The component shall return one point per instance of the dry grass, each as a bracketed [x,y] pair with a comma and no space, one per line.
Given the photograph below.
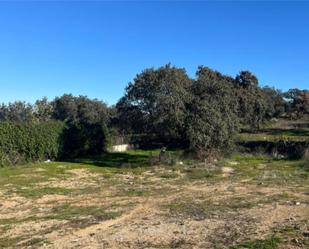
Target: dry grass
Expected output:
[258,203]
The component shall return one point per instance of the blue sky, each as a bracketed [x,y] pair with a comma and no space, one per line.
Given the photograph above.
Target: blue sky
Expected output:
[96,48]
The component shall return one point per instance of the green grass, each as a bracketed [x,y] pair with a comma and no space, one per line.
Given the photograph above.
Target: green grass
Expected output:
[269,171]
[130,159]
[202,208]
[70,212]
[201,173]
[39,192]
[169,175]
[274,134]
[272,243]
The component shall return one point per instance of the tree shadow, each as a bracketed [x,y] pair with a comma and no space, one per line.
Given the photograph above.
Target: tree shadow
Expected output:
[116,160]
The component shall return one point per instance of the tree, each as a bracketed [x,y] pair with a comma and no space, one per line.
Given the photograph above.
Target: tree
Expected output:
[252,105]
[87,122]
[155,103]
[18,111]
[80,110]
[246,79]
[43,109]
[274,102]
[297,102]
[212,120]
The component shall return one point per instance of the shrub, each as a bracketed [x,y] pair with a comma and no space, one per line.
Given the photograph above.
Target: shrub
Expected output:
[85,139]
[28,141]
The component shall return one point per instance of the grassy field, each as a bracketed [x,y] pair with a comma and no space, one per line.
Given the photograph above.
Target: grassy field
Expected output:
[129,200]
[274,134]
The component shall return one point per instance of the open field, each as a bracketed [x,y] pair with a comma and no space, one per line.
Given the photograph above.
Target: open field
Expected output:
[273,134]
[120,201]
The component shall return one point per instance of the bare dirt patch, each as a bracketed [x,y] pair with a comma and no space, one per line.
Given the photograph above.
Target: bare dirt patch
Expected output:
[159,208]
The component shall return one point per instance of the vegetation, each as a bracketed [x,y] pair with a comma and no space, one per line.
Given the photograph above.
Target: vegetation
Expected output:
[24,142]
[212,121]
[122,193]
[155,103]
[163,107]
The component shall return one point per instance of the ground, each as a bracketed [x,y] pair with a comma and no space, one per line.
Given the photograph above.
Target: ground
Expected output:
[129,200]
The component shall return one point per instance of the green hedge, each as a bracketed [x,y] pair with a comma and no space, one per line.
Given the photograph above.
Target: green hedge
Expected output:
[25,142]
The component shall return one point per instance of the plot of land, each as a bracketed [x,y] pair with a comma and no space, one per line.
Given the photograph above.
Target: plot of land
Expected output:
[122,201]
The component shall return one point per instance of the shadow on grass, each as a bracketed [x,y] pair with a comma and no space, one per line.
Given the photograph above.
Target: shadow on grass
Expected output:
[118,160]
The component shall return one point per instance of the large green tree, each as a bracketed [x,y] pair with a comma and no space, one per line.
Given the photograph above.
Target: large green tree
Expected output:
[18,111]
[274,102]
[155,102]
[87,122]
[252,103]
[80,110]
[212,120]
[43,109]
[297,104]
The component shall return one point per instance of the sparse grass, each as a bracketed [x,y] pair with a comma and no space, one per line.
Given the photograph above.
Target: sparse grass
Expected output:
[22,242]
[169,175]
[39,192]
[131,192]
[274,134]
[201,173]
[202,208]
[271,243]
[268,171]
[289,232]
[123,176]
[70,212]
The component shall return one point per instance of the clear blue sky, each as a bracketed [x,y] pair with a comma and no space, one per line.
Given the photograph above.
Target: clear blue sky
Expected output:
[96,48]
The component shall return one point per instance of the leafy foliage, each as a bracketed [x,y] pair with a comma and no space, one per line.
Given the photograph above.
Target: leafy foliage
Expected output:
[155,103]
[212,120]
[80,110]
[161,107]
[85,139]
[87,121]
[17,111]
[252,105]
[24,142]
[297,102]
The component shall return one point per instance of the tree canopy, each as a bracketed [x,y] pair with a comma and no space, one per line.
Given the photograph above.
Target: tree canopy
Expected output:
[202,113]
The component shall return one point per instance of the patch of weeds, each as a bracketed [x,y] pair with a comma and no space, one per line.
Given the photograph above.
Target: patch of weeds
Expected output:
[33,242]
[10,241]
[169,175]
[80,216]
[269,171]
[130,192]
[14,241]
[187,210]
[39,192]
[178,243]
[293,233]
[201,174]
[271,243]
[201,209]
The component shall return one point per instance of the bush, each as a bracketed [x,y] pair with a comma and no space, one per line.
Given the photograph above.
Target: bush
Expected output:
[85,139]
[26,141]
